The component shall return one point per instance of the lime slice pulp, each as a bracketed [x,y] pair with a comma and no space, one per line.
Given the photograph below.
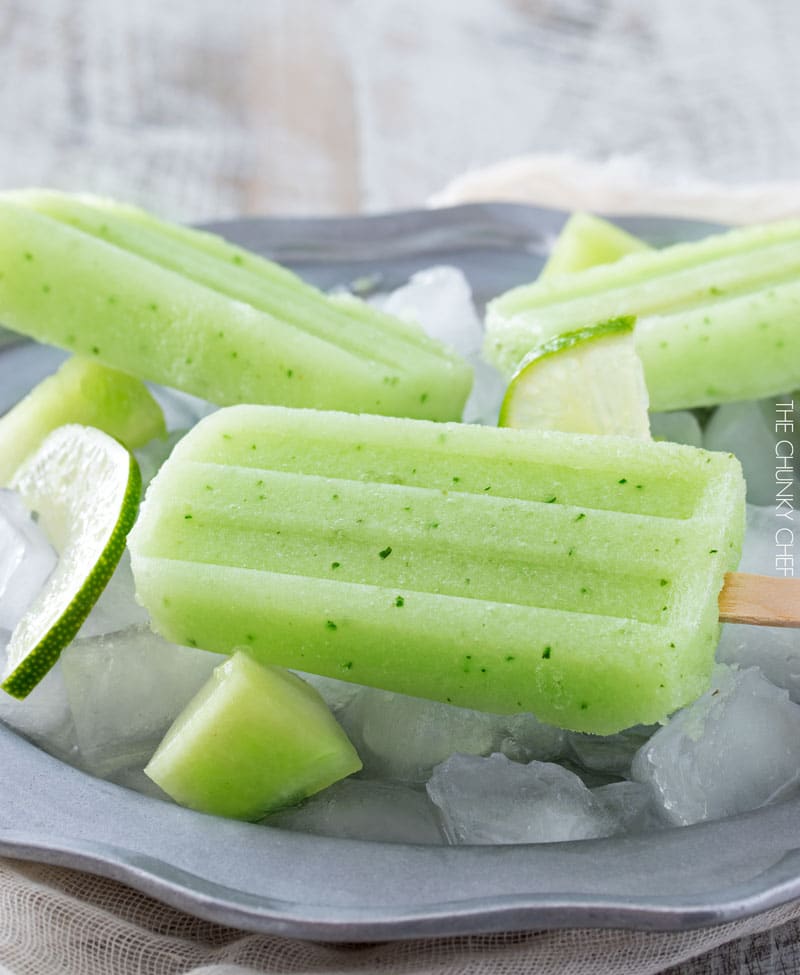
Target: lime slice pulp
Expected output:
[84,488]
[587,381]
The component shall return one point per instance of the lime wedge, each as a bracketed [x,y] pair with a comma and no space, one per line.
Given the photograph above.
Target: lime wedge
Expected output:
[587,381]
[84,487]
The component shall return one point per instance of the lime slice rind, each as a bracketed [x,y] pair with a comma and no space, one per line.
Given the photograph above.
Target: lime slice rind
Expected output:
[85,488]
[589,380]
[568,340]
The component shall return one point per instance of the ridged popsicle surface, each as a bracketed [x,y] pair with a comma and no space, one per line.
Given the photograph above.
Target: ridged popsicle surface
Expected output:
[506,570]
[716,319]
[189,310]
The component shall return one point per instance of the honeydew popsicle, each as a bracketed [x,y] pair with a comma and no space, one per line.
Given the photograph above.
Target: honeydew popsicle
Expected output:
[716,319]
[189,310]
[506,570]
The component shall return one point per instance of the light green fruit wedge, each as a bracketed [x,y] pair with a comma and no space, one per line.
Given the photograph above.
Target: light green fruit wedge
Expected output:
[587,241]
[84,487]
[86,392]
[254,739]
[587,381]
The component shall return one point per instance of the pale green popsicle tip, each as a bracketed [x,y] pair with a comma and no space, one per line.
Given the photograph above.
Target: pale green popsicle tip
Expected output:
[254,739]
[588,241]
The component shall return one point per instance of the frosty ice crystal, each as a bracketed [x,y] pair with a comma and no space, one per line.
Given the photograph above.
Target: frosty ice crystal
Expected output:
[44,716]
[610,753]
[360,809]
[403,738]
[125,689]
[116,609]
[729,752]
[748,429]
[495,800]
[440,299]
[681,426]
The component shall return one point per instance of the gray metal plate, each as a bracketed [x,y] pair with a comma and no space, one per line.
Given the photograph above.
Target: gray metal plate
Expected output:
[342,890]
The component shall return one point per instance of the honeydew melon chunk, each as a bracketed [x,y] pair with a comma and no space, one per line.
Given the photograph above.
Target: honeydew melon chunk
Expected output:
[587,241]
[587,381]
[184,309]
[254,739]
[572,576]
[84,487]
[86,392]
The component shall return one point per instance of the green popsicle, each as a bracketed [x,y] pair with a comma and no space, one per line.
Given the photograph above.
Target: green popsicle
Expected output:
[188,310]
[505,570]
[715,319]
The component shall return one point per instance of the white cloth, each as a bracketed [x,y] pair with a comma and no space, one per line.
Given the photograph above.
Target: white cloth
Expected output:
[620,185]
[58,920]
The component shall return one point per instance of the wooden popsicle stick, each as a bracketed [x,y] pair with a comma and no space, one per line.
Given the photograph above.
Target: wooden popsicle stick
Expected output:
[759,600]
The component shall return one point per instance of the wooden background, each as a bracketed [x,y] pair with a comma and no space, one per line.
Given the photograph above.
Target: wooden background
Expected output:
[204,108]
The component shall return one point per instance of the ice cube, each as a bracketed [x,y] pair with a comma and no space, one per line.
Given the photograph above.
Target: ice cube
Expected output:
[134,778]
[611,754]
[748,429]
[440,300]
[488,389]
[181,410]
[152,455]
[403,738]
[116,609]
[681,426]
[337,694]
[43,716]
[495,800]
[774,650]
[726,753]
[759,550]
[26,559]
[365,810]
[125,689]
[526,738]
[632,806]
[762,539]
